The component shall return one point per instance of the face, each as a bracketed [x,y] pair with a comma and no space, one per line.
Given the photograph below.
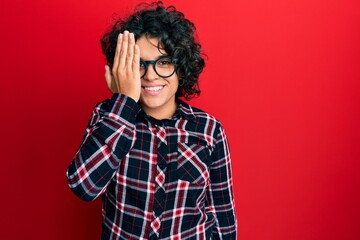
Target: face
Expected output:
[157,96]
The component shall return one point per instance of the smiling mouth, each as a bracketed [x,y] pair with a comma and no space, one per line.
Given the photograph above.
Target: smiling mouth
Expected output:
[153,89]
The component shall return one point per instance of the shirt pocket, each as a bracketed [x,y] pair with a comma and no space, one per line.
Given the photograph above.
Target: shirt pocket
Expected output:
[193,163]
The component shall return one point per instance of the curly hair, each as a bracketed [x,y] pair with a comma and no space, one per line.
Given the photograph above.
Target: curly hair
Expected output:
[176,36]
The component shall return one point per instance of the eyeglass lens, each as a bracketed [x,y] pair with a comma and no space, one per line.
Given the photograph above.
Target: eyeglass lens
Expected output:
[163,67]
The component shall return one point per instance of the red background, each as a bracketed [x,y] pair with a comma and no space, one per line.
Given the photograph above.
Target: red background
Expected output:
[283,77]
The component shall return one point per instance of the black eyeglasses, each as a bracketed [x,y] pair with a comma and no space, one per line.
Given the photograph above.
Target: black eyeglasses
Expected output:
[164,66]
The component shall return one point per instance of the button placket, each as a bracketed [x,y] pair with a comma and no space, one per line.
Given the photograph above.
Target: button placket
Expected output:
[160,178]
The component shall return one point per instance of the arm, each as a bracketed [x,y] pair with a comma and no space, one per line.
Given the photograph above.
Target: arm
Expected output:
[220,198]
[111,132]
[108,138]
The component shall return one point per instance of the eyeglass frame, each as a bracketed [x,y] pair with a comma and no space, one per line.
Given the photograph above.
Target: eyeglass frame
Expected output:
[153,62]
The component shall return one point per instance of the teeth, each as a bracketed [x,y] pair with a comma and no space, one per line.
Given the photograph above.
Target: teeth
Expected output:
[153,88]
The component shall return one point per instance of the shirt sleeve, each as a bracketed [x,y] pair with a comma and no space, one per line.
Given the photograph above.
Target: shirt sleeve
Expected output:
[220,198]
[108,138]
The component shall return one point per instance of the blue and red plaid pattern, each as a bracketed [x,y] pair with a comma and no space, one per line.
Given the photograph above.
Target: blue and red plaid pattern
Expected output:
[158,179]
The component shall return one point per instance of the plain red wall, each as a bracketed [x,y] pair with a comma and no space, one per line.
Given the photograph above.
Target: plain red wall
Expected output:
[283,77]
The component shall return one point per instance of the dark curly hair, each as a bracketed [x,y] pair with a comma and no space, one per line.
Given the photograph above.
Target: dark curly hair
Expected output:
[176,37]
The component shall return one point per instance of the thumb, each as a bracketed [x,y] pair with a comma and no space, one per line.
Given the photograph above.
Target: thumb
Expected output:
[108,76]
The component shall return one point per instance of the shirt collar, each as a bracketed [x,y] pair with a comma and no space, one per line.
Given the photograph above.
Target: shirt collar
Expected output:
[184,110]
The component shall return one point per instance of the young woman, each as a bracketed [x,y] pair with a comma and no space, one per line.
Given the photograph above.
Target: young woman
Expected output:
[162,167]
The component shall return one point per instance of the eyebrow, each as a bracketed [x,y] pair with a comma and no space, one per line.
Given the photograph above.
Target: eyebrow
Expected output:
[165,55]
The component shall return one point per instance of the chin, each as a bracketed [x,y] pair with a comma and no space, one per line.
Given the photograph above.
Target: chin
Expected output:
[152,103]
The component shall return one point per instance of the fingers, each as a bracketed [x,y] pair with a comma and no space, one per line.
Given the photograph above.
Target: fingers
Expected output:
[136,60]
[124,54]
[130,52]
[124,50]
[125,75]
[117,53]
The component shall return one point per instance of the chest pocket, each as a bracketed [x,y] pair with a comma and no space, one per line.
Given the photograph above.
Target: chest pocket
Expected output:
[193,163]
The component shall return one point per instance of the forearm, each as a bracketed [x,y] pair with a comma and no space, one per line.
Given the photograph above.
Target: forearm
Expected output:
[108,138]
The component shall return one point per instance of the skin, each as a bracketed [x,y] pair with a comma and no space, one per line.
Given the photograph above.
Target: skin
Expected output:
[125,75]
[125,78]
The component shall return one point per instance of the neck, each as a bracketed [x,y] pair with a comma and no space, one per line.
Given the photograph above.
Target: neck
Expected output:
[160,114]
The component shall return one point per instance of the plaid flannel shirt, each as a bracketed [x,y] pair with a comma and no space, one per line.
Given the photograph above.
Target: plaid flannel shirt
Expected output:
[158,179]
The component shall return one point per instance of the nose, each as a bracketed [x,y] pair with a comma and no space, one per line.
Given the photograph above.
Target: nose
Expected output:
[150,73]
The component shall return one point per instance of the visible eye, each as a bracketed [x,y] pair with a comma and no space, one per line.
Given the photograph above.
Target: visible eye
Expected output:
[164,62]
